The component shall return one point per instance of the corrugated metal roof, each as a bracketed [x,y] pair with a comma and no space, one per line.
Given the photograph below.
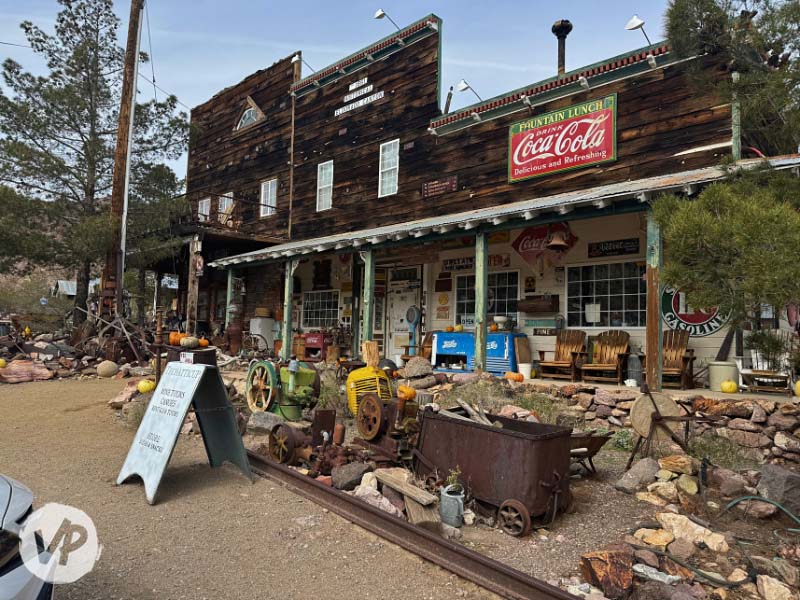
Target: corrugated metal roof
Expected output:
[600,197]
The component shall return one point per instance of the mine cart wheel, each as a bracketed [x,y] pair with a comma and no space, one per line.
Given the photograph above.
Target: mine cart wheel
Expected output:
[262,386]
[369,416]
[642,413]
[514,518]
[281,444]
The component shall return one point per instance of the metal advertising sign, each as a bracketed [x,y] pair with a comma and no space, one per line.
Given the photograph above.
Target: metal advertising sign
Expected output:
[699,323]
[614,248]
[532,242]
[570,138]
[181,386]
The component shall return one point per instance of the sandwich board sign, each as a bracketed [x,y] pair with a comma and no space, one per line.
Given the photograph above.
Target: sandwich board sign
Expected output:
[182,386]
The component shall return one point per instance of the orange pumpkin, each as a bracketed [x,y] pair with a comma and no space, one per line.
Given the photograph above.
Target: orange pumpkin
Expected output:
[450,329]
[174,338]
[493,327]
[203,343]
[512,376]
[406,392]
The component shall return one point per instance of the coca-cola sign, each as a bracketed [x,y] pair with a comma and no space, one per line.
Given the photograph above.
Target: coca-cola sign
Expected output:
[570,138]
[533,242]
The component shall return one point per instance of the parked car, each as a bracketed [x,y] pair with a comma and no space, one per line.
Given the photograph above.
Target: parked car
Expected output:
[16,581]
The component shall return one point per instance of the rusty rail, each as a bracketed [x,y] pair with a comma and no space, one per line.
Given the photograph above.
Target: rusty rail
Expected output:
[477,568]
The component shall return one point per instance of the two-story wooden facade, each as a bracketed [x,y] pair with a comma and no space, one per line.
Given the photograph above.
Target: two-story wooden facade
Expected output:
[532,205]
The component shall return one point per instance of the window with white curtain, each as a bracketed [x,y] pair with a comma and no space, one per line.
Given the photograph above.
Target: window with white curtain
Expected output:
[203,209]
[389,168]
[268,204]
[225,207]
[324,185]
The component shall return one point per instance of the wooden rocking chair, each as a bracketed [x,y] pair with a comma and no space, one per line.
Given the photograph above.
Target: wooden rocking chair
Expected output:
[569,344]
[678,359]
[610,354]
[425,349]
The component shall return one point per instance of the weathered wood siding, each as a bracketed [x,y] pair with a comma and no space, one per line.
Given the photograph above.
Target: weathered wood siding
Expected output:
[223,160]
[409,79]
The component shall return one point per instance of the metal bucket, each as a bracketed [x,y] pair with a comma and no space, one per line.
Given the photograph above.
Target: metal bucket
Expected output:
[451,505]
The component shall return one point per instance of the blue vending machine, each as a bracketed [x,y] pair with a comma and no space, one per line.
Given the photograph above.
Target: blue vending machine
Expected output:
[454,352]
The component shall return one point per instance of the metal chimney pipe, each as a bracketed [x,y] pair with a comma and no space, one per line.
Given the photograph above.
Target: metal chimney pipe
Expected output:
[561,29]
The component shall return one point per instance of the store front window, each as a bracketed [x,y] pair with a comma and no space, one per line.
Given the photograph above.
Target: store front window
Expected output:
[503,292]
[610,295]
[320,309]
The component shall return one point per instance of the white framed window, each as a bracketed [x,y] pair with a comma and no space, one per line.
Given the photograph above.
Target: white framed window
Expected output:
[268,203]
[324,185]
[389,168]
[320,309]
[607,295]
[502,292]
[249,116]
[225,207]
[203,209]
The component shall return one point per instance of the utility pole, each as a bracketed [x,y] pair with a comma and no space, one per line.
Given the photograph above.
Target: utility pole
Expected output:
[115,257]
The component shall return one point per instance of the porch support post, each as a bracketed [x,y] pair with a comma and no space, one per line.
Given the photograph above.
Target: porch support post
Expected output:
[736,120]
[368,295]
[288,291]
[193,285]
[654,332]
[229,298]
[481,293]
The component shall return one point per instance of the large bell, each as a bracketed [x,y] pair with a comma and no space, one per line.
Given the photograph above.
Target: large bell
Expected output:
[558,241]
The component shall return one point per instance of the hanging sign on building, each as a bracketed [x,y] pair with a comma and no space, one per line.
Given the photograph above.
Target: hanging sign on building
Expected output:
[614,248]
[678,315]
[536,242]
[464,263]
[570,138]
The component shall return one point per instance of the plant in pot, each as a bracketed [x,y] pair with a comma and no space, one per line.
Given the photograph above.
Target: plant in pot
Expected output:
[769,347]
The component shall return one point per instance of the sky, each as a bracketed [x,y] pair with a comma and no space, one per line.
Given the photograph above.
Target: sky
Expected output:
[199,47]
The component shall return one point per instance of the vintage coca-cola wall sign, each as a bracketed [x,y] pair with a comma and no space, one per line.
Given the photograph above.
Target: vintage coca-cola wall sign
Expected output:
[573,137]
[532,243]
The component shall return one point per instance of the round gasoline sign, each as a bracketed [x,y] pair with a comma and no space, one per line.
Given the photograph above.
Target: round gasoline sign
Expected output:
[678,315]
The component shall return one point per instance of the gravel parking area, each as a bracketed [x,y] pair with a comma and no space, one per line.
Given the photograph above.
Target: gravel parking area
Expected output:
[212,533]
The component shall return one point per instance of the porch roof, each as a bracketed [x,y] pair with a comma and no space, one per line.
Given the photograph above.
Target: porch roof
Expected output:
[524,211]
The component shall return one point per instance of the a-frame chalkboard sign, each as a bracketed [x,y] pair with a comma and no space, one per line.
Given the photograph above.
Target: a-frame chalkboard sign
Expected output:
[182,386]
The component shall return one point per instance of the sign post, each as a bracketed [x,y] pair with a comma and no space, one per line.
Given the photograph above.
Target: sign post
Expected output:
[182,386]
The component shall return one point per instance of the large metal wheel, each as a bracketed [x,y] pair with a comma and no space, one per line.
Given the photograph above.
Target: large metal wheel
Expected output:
[263,387]
[514,518]
[369,417]
[642,413]
[281,445]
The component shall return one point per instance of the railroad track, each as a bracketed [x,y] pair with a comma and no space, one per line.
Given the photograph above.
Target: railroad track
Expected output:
[477,568]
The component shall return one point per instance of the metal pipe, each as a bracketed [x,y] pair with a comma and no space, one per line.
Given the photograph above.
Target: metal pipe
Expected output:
[561,29]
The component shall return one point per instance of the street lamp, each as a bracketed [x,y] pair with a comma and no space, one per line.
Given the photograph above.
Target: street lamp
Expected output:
[297,58]
[380,14]
[463,86]
[637,23]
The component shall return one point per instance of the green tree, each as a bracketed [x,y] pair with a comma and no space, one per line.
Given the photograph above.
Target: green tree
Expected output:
[58,134]
[758,39]
[735,245]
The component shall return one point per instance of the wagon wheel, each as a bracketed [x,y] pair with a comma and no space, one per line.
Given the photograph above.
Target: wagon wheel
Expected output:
[281,445]
[514,518]
[369,416]
[642,413]
[262,386]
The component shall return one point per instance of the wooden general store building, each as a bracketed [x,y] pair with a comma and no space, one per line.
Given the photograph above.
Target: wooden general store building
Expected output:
[343,198]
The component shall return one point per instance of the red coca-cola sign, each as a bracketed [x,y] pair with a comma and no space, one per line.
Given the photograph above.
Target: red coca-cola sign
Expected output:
[534,242]
[570,138]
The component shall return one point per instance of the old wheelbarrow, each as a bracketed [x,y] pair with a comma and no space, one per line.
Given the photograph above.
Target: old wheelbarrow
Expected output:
[585,446]
[519,468]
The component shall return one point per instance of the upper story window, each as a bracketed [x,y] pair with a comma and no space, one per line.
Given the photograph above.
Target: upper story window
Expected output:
[251,115]
[324,185]
[225,207]
[268,204]
[389,168]
[203,209]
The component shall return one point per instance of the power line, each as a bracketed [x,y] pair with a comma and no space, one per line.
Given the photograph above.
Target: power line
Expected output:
[150,48]
[17,45]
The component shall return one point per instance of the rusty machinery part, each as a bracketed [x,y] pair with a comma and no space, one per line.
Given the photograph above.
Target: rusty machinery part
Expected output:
[262,387]
[642,413]
[468,564]
[287,444]
[514,518]
[370,417]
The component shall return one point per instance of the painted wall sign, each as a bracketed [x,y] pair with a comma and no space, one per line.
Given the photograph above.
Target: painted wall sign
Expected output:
[437,187]
[499,260]
[532,242]
[677,315]
[614,248]
[443,313]
[464,263]
[357,89]
[182,386]
[570,138]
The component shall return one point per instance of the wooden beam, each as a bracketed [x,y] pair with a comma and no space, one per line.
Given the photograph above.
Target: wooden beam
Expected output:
[481,297]
[286,329]
[229,298]
[193,285]
[368,294]
[654,331]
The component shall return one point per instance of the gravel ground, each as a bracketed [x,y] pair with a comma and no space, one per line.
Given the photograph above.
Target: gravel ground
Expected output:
[212,533]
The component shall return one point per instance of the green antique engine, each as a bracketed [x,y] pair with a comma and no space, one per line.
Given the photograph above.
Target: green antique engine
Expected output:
[285,389]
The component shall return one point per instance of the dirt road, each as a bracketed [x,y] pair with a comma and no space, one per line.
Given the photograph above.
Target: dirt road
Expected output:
[212,534]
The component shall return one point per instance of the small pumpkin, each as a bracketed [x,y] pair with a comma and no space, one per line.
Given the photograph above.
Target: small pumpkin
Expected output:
[174,338]
[729,387]
[449,329]
[512,376]
[406,392]
[459,328]
[190,342]
[145,386]
[203,342]
[797,388]
[3,363]
[493,327]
